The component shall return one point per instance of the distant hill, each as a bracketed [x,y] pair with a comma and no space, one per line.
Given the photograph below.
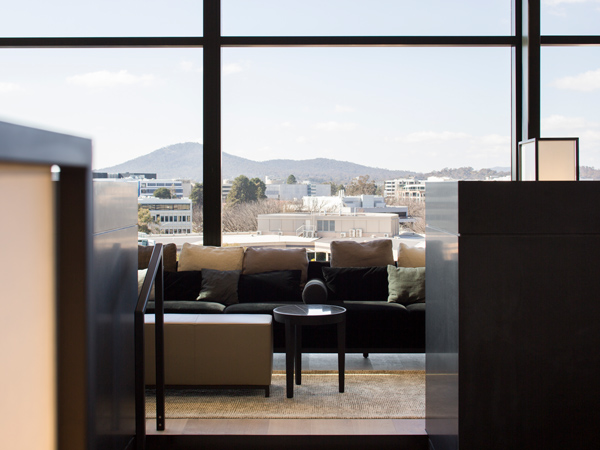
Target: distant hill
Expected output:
[185,161]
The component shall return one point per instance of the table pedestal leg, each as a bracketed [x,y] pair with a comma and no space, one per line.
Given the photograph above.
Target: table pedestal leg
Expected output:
[289,359]
[298,351]
[341,335]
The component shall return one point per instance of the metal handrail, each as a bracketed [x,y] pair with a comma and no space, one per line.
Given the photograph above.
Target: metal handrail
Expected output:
[154,276]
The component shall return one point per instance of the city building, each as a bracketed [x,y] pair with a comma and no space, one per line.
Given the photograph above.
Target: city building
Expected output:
[392,187]
[172,216]
[178,188]
[296,191]
[329,225]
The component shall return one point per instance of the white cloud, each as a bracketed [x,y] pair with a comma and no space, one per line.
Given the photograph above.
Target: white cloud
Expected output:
[286,124]
[558,122]
[344,109]
[425,136]
[231,68]
[104,78]
[559,2]
[6,88]
[189,66]
[335,126]
[585,82]
[301,140]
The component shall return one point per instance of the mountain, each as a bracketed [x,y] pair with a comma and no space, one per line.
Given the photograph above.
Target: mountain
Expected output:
[185,161]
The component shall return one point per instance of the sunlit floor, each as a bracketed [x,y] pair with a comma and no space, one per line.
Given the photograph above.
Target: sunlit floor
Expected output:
[413,430]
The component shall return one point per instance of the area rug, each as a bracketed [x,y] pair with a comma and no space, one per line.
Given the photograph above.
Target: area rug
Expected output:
[368,395]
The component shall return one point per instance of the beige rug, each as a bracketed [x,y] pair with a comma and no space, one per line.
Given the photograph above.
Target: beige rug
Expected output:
[368,395]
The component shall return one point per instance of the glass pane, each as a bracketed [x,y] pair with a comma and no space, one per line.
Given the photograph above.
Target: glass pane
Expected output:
[362,18]
[357,117]
[100,18]
[570,17]
[131,103]
[570,97]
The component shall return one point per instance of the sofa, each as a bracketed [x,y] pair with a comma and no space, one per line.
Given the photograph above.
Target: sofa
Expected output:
[384,298]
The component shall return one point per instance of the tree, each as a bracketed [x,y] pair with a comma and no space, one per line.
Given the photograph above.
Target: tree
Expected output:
[197,195]
[242,191]
[261,188]
[162,193]
[335,188]
[291,180]
[145,222]
[361,186]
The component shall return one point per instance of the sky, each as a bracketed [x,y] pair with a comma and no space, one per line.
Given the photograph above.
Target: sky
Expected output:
[397,108]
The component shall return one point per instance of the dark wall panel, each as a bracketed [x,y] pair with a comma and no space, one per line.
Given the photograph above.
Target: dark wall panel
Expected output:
[512,305]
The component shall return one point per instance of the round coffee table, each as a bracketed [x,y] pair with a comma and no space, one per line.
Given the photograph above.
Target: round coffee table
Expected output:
[294,317]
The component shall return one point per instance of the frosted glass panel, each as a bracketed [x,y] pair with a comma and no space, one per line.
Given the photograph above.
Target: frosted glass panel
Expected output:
[27,296]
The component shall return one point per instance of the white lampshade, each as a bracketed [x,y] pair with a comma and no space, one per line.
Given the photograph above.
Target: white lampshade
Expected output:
[549,159]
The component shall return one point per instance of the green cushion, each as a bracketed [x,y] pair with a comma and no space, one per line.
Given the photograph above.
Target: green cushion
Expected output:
[406,285]
[220,286]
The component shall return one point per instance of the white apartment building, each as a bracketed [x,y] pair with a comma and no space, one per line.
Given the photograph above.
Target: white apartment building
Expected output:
[173,216]
[180,188]
[296,191]
[393,187]
[329,225]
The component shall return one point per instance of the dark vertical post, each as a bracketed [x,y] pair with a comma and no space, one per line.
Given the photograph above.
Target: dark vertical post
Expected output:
[159,344]
[76,332]
[341,336]
[516,87]
[526,87]
[531,69]
[212,122]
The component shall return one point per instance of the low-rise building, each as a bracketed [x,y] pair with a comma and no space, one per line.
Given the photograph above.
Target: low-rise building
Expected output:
[172,216]
[329,225]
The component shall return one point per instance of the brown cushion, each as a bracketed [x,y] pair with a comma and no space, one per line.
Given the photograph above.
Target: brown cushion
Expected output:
[362,254]
[411,256]
[169,257]
[258,260]
[198,257]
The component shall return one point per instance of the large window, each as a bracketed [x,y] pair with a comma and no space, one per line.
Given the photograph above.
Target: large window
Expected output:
[365,18]
[570,98]
[96,18]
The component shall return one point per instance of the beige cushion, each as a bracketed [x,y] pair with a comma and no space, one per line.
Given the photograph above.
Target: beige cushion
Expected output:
[411,256]
[141,278]
[362,254]
[258,260]
[169,257]
[198,257]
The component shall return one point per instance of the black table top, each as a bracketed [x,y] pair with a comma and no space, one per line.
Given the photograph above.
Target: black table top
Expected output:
[309,310]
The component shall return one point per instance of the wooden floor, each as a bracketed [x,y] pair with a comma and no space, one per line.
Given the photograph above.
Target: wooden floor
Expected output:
[299,433]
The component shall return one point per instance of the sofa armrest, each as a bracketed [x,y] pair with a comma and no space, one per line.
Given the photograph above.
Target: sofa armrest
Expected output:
[314,292]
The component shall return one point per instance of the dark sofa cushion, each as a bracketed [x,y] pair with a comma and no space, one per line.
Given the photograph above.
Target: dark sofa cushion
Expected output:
[182,285]
[254,308]
[356,283]
[267,287]
[220,286]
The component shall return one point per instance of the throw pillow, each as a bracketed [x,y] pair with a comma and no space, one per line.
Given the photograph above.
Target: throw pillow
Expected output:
[198,257]
[356,283]
[411,256]
[258,260]
[182,285]
[219,286]
[169,257]
[406,284]
[362,254]
[141,278]
[270,287]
